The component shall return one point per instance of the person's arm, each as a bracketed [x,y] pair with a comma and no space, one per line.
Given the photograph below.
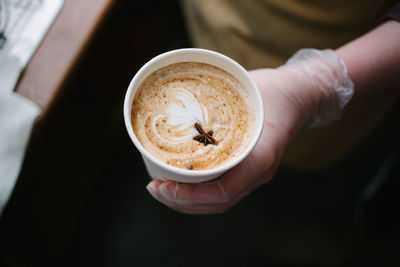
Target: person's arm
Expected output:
[373,60]
[311,89]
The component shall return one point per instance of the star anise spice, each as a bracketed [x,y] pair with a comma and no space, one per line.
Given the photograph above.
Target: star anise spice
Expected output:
[203,137]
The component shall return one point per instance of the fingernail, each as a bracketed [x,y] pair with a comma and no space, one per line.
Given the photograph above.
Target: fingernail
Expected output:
[170,192]
[166,190]
[152,189]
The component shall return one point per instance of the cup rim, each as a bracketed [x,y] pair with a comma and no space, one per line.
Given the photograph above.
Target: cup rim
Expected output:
[129,96]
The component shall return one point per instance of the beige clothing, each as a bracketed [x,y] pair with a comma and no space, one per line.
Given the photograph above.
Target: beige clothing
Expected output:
[265,33]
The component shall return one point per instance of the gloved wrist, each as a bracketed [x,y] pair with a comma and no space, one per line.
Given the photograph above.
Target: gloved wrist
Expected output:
[325,78]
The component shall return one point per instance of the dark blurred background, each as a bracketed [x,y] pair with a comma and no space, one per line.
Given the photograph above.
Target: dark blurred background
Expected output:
[81,199]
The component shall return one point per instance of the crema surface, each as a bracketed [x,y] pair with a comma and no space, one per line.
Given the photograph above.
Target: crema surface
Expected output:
[171,100]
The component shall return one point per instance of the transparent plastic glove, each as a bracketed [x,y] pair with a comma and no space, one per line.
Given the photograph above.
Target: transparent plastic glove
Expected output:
[327,75]
[311,89]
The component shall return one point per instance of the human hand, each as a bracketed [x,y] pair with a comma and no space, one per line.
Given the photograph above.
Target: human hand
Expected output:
[310,89]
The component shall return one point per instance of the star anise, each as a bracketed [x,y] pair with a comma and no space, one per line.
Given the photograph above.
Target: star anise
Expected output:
[203,137]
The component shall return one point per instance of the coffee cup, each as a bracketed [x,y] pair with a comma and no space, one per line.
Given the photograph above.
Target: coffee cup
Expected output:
[159,169]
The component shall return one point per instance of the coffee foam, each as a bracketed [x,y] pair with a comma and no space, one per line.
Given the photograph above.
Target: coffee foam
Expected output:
[171,100]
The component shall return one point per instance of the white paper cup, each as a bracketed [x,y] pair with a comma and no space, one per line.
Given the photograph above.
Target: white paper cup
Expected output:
[160,170]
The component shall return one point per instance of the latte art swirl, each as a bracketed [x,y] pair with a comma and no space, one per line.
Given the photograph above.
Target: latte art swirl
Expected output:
[171,100]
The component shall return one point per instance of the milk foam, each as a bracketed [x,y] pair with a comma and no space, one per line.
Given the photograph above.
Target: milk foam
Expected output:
[186,113]
[171,100]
